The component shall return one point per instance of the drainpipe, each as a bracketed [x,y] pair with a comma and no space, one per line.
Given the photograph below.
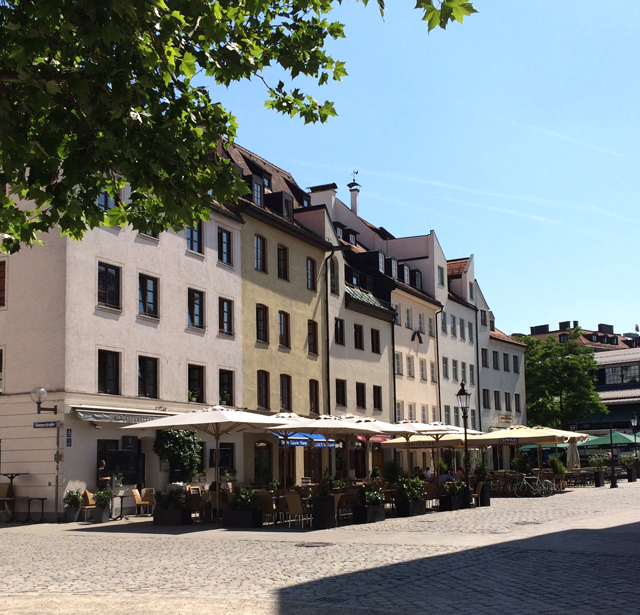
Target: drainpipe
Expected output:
[438,364]
[393,367]
[478,387]
[327,341]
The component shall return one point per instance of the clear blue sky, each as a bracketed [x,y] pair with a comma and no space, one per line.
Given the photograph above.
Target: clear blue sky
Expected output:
[514,136]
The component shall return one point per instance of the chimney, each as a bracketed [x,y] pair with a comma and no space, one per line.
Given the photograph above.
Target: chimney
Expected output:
[354,188]
[575,324]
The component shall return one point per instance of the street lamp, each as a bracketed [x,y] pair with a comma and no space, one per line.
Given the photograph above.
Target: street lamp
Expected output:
[38,395]
[463,397]
[634,427]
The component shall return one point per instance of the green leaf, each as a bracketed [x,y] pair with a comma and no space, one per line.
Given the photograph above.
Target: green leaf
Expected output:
[188,65]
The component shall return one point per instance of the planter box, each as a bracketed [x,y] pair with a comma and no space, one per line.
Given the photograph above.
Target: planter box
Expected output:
[171,516]
[324,513]
[101,515]
[411,509]
[598,478]
[71,514]
[368,514]
[485,496]
[451,502]
[632,475]
[242,518]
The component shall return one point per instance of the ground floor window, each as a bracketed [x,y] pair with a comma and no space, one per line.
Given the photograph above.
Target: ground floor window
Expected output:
[262,473]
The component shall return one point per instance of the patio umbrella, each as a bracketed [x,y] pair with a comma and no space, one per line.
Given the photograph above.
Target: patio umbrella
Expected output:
[285,432]
[573,458]
[620,440]
[215,421]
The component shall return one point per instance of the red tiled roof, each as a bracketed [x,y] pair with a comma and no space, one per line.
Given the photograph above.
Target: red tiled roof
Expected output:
[583,340]
[457,266]
[503,337]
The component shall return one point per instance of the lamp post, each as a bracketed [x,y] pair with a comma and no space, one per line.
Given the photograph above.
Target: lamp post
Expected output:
[614,480]
[463,397]
[634,427]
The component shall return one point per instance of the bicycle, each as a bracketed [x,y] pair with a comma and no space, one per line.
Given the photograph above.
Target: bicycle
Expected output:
[537,487]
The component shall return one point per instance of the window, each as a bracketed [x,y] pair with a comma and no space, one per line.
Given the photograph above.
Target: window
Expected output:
[262,323]
[263,389]
[333,276]
[507,401]
[441,276]
[358,337]
[108,372]
[431,331]
[283,262]
[361,395]
[424,414]
[492,325]
[565,338]
[380,262]
[496,360]
[339,331]
[454,369]
[147,377]
[288,209]
[411,411]
[505,362]
[473,418]
[516,401]
[496,400]
[194,238]
[341,392]
[410,366]
[398,363]
[456,416]
[312,336]
[339,232]
[453,326]
[399,411]
[260,253]
[375,341]
[470,332]
[225,253]
[3,283]
[148,295]
[421,323]
[407,319]
[443,322]
[463,369]
[471,290]
[447,415]
[445,367]
[225,387]
[109,286]
[225,316]
[423,369]
[314,397]
[486,399]
[406,275]
[433,372]
[516,364]
[195,308]
[196,383]
[377,397]
[434,414]
[418,280]
[285,392]
[106,202]
[311,274]
[257,193]
[483,318]
[472,374]
[394,270]
[485,357]
[283,330]
[462,329]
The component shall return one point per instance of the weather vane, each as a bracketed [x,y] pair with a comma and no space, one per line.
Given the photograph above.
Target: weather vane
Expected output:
[354,176]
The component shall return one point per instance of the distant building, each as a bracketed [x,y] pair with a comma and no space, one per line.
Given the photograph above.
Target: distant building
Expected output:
[602,339]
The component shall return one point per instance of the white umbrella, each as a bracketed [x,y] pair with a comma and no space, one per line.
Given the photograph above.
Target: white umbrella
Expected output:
[215,421]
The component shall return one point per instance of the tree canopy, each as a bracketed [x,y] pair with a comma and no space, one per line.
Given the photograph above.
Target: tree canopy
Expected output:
[98,94]
[560,381]
[180,448]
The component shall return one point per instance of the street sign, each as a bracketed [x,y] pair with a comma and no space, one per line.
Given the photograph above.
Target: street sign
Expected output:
[45,424]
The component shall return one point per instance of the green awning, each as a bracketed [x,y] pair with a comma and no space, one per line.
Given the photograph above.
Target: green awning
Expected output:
[619,440]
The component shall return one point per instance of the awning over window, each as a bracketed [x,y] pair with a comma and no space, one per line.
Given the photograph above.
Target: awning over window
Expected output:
[309,440]
[125,416]
[373,438]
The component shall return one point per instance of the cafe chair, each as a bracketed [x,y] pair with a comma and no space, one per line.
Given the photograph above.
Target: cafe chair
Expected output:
[87,503]
[141,504]
[296,512]
[267,507]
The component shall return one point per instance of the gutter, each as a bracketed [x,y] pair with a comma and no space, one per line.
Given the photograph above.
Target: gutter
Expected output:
[438,364]
[478,367]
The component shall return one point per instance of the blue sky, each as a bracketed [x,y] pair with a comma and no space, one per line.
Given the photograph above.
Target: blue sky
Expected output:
[514,136]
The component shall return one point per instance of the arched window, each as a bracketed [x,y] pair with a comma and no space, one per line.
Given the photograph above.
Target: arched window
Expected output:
[262,462]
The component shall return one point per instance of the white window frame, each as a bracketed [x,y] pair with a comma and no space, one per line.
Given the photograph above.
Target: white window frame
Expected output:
[397,363]
[423,369]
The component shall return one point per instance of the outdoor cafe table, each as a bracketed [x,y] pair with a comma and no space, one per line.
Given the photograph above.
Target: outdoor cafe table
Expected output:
[121,497]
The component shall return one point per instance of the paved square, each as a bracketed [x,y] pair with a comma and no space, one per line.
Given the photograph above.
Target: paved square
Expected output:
[571,553]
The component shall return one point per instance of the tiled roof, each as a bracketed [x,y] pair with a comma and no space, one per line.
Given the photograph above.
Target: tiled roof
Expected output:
[585,341]
[364,296]
[417,292]
[457,266]
[621,396]
[503,337]
[617,357]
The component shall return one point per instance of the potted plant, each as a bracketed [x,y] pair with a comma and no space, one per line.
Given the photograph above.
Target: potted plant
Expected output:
[630,463]
[453,495]
[224,398]
[598,462]
[482,476]
[559,471]
[274,485]
[72,501]
[410,497]
[170,508]
[370,507]
[194,395]
[324,503]
[119,477]
[102,501]
[243,511]
[375,473]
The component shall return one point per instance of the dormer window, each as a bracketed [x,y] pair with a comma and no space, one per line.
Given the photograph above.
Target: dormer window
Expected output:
[564,338]
[381,262]
[394,270]
[418,280]
[406,274]
[352,238]
[266,180]
[257,193]
[288,209]
[339,232]
[492,325]
[614,341]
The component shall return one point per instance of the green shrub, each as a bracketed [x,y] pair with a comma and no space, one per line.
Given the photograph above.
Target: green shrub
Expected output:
[391,472]
[181,449]
[455,487]
[369,496]
[274,485]
[630,461]
[520,464]
[172,499]
[480,471]
[244,499]
[72,498]
[102,499]
[598,461]
[375,473]
[557,466]
[410,489]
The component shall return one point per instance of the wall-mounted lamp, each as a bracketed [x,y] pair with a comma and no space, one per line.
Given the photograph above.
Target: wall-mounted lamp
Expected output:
[38,395]
[95,425]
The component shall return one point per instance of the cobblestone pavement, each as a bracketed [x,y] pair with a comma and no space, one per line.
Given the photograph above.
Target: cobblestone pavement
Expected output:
[527,556]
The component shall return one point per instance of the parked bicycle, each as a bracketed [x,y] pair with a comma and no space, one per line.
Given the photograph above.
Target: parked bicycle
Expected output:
[533,484]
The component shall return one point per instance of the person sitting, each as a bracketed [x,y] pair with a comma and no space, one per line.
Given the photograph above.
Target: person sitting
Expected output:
[460,474]
[446,477]
[428,472]
[417,473]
